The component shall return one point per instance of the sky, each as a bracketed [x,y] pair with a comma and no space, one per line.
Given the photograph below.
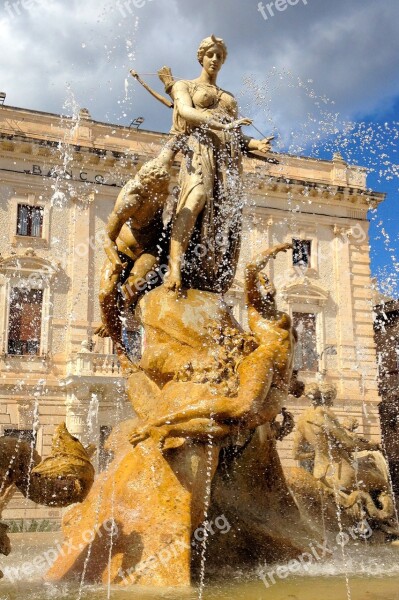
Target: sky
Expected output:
[321,75]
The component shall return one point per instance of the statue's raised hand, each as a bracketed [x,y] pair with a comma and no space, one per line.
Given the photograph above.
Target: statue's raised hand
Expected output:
[280,248]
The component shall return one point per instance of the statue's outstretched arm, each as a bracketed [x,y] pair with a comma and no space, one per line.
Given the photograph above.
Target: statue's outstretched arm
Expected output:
[342,436]
[252,270]
[261,260]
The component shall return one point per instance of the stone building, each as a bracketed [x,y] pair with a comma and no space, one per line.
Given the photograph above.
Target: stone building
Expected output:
[386,326]
[59,178]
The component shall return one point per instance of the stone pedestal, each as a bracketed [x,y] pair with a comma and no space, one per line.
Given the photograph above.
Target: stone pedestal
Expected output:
[135,526]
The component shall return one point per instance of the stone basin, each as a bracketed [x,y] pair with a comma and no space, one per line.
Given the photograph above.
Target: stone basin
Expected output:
[373,574]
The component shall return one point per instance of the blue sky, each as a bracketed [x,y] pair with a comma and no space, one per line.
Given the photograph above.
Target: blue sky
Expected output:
[383,177]
[302,73]
[373,143]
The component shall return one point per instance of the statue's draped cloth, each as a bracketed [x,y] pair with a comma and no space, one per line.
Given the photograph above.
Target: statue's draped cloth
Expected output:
[212,159]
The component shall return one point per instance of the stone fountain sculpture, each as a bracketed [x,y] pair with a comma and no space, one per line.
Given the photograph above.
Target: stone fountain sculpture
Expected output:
[342,470]
[203,446]
[63,478]
[200,457]
[206,393]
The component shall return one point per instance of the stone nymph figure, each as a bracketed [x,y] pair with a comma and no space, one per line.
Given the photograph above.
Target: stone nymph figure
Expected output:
[205,240]
[206,231]
[200,373]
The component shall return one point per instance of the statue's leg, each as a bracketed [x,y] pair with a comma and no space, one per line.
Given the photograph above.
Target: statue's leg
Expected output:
[109,304]
[110,314]
[136,283]
[182,231]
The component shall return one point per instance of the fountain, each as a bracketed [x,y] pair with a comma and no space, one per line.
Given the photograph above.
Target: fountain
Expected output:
[195,484]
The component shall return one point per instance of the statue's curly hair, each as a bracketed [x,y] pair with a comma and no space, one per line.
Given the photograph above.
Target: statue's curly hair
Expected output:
[152,174]
[318,393]
[208,43]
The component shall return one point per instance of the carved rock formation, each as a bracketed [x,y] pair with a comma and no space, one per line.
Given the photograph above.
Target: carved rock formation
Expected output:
[153,495]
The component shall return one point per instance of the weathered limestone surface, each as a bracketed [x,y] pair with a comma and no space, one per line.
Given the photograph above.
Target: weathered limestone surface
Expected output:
[61,479]
[156,491]
[344,472]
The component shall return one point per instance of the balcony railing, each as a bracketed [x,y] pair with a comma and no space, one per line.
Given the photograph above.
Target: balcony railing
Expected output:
[89,364]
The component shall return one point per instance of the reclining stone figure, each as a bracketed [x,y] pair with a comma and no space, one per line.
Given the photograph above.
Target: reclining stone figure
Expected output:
[350,468]
[264,374]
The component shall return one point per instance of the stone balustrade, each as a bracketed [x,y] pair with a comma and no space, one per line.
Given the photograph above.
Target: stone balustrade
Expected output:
[88,364]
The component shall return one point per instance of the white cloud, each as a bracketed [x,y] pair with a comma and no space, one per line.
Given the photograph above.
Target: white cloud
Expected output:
[348,48]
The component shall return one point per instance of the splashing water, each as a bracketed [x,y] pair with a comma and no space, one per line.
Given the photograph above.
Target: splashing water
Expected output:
[92,415]
[35,429]
[338,513]
[207,501]
[322,134]
[371,145]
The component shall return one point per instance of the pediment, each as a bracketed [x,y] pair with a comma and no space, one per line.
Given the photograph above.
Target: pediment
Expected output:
[305,292]
[28,263]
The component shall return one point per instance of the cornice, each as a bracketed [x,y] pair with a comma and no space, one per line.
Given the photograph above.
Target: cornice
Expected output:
[120,151]
[303,190]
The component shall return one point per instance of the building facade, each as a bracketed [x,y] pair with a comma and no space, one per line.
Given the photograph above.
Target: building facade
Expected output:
[59,178]
[386,326]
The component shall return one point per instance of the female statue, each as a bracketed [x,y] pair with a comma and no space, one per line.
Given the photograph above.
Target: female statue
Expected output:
[206,234]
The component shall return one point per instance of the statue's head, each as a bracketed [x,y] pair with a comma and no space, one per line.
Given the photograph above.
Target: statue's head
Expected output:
[209,47]
[154,177]
[312,391]
[322,394]
[328,393]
